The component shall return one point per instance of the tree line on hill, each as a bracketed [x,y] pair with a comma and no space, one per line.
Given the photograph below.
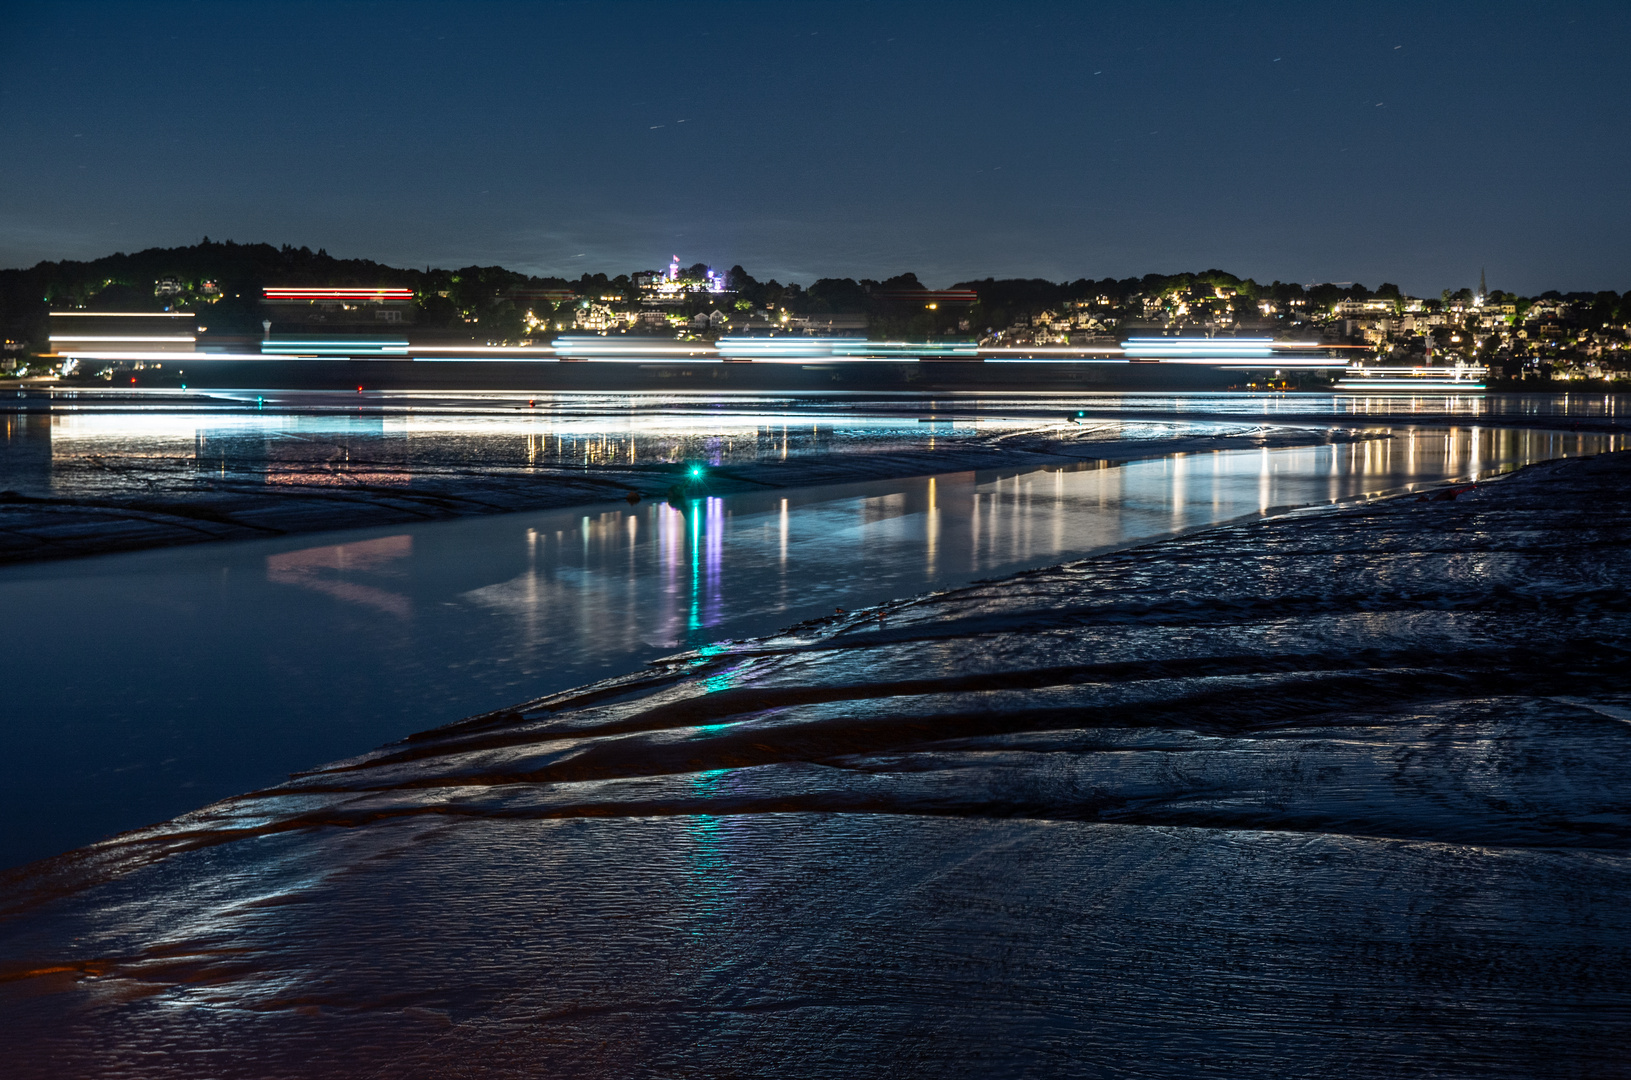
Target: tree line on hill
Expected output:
[491,301]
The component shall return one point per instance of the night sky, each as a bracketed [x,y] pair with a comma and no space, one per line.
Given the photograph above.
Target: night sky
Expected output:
[1414,143]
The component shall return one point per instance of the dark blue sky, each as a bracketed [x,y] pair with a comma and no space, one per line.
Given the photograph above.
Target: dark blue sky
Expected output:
[1414,143]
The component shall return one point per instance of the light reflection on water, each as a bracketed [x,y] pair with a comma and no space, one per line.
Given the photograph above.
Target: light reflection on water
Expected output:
[85,443]
[148,684]
[463,406]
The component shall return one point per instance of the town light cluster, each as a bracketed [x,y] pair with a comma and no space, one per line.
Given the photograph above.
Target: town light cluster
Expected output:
[697,315]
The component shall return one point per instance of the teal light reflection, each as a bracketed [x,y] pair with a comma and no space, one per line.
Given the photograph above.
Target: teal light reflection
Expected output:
[709,868]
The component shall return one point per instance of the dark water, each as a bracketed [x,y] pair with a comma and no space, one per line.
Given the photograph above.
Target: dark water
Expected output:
[145,685]
[1330,794]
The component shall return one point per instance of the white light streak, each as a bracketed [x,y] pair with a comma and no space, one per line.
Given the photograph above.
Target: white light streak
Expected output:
[184,339]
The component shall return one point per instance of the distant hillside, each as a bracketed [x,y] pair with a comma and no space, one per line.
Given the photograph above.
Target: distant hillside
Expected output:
[490,302]
[238,272]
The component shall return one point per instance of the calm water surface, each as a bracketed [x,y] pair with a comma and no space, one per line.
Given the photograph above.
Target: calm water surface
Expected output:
[144,685]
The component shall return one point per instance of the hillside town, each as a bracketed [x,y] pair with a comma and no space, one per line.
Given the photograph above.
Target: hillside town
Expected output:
[237,294]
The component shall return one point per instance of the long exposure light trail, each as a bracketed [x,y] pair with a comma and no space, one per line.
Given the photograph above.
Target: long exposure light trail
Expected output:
[334,347]
[600,348]
[1161,348]
[496,350]
[1228,353]
[115,355]
[1050,350]
[303,293]
[185,339]
[1409,384]
[904,350]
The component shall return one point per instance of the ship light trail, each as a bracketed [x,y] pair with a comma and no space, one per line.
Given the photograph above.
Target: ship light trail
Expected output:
[905,350]
[495,350]
[138,337]
[1409,384]
[1208,348]
[774,349]
[173,357]
[601,348]
[1237,353]
[334,347]
[301,293]
[169,338]
[795,349]
[1052,354]
[1466,377]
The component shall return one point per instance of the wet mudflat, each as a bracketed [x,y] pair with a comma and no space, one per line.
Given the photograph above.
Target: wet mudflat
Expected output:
[1337,793]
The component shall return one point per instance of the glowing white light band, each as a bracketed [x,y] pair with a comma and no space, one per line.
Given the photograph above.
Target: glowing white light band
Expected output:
[1408,384]
[182,339]
[504,350]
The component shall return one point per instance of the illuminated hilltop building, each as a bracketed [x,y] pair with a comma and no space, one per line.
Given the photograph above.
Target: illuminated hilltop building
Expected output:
[675,284]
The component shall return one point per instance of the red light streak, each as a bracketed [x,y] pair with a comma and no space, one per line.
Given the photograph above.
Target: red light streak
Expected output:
[337,294]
